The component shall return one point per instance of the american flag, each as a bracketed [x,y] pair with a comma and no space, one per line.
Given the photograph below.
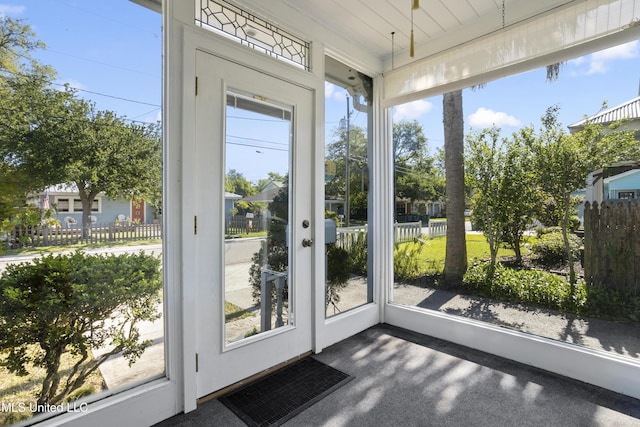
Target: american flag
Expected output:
[45,202]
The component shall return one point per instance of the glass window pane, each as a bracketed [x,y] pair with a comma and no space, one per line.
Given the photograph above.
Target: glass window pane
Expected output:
[515,204]
[348,138]
[90,325]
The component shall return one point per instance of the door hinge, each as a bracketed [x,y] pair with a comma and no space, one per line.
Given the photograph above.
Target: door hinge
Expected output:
[196,362]
[196,85]
[195,224]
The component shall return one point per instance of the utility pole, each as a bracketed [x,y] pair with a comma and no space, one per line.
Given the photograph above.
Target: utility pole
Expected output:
[347,166]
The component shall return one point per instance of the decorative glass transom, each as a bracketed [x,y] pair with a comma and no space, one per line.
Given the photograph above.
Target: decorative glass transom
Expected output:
[228,20]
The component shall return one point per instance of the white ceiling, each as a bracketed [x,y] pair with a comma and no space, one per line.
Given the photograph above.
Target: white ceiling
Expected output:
[367,24]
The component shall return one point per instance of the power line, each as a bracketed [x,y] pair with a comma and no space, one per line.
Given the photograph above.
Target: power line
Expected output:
[257,146]
[51,82]
[108,96]
[15,110]
[258,140]
[103,63]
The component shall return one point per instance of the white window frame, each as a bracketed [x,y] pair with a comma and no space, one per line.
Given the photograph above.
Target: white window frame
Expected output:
[95,208]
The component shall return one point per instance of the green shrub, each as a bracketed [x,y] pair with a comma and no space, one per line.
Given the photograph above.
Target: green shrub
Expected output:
[73,303]
[338,273]
[613,304]
[541,231]
[574,223]
[534,287]
[550,250]
[359,253]
[407,260]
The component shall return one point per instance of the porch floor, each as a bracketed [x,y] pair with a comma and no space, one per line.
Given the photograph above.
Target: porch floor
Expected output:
[404,378]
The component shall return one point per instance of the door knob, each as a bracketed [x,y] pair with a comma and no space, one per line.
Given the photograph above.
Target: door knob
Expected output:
[307,243]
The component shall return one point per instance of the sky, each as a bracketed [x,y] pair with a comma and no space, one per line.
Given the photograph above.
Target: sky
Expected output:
[611,76]
[111,52]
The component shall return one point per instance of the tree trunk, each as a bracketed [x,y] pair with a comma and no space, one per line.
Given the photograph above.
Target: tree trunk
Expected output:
[455,264]
[87,203]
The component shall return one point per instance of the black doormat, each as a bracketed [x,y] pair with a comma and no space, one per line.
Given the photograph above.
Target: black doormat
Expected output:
[278,397]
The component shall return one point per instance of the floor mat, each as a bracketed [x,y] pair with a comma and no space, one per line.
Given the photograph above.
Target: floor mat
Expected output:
[278,397]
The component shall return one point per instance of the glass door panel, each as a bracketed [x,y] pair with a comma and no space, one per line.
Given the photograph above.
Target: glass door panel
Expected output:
[257,158]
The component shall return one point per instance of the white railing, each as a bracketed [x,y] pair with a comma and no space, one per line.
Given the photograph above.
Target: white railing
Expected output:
[437,229]
[402,232]
[406,231]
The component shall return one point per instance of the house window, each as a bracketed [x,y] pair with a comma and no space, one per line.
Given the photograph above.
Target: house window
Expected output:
[63,205]
[626,195]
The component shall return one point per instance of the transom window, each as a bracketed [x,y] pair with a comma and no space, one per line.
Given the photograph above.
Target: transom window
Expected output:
[249,30]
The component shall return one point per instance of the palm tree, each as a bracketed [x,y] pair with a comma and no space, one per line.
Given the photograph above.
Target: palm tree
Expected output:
[455,263]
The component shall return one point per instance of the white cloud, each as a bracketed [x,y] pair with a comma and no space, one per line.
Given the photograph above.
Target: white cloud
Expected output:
[6,9]
[486,118]
[332,91]
[411,110]
[599,62]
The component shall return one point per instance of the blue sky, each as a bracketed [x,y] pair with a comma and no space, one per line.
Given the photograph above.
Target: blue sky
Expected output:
[111,50]
[109,47]
[612,75]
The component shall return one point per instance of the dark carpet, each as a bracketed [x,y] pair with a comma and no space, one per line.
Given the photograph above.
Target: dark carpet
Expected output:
[281,395]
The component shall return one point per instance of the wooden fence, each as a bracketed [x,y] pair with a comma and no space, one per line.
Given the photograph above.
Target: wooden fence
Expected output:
[61,236]
[240,225]
[612,245]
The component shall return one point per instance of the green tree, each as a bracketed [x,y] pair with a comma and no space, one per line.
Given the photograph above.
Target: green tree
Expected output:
[236,183]
[504,192]
[72,304]
[65,140]
[563,161]
[485,173]
[416,177]
[20,77]
[358,160]
[519,193]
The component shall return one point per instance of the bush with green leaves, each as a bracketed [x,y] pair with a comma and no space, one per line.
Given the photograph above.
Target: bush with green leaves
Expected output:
[550,249]
[72,304]
[359,253]
[533,287]
[603,301]
[407,259]
[573,222]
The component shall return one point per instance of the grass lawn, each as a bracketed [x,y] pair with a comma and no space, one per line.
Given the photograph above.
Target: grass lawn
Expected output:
[233,312]
[433,251]
[22,390]
[79,246]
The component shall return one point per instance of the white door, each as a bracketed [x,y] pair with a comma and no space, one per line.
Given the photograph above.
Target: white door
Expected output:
[253,249]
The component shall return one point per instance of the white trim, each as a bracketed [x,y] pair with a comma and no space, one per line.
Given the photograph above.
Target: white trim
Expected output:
[469,64]
[178,344]
[97,201]
[144,405]
[609,371]
[621,175]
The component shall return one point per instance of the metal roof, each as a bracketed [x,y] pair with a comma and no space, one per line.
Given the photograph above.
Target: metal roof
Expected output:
[629,110]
